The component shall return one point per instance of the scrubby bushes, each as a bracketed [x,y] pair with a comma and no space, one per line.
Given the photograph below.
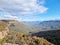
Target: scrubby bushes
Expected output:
[31,40]
[3,40]
[25,39]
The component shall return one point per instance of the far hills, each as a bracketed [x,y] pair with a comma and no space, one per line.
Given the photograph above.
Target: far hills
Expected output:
[44,25]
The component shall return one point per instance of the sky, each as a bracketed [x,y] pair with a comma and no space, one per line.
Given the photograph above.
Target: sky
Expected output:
[30,10]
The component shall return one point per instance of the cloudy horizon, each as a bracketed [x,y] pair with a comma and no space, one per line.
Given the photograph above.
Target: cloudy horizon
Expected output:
[29,10]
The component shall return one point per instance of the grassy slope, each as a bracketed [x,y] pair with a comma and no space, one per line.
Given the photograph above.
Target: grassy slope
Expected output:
[2,26]
[16,26]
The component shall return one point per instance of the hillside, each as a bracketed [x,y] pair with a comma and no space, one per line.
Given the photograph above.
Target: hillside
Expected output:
[16,26]
[50,30]
[52,36]
[26,39]
[9,35]
[2,26]
[4,30]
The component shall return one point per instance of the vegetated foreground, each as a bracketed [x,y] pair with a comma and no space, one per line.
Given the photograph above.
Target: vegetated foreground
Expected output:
[8,38]
[22,39]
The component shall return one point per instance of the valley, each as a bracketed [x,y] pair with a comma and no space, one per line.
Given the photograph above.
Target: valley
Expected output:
[18,33]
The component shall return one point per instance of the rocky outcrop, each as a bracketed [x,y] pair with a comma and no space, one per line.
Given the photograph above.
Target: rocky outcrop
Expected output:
[9,44]
[4,33]
[4,30]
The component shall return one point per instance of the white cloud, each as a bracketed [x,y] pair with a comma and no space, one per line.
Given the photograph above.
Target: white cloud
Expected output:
[22,7]
[6,15]
[10,16]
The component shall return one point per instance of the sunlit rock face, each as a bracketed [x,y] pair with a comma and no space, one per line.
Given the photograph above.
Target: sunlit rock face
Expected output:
[3,30]
[4,33]
[9,44]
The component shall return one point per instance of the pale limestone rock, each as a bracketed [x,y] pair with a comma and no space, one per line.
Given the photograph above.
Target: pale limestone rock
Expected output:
[4,33]
[9,44]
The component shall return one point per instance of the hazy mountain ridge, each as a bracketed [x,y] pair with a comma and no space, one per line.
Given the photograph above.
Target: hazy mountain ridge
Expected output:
[44,25]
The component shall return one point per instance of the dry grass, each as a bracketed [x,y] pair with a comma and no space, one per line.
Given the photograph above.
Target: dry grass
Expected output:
[2,26]
[31,40]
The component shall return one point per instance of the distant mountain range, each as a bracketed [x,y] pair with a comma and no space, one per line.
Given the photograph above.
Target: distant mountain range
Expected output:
[44,25]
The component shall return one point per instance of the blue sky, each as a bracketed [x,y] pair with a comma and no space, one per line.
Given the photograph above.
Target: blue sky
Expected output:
[30,10]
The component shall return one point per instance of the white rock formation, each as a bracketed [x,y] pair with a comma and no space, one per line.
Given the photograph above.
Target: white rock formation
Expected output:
[9,44]
[4,33]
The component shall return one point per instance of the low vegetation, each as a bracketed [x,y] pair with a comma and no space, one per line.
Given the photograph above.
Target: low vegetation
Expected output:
[24,39]
[4,40]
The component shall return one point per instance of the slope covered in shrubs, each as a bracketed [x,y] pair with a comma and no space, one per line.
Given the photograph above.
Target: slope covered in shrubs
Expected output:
[23,39]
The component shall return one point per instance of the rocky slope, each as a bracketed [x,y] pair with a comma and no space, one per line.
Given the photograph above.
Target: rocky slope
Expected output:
[4,30]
